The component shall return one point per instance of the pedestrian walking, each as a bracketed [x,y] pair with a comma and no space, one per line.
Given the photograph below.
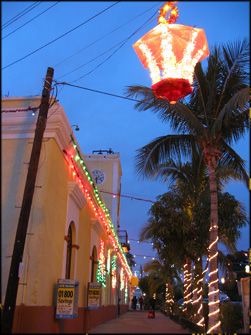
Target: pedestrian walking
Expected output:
[141,302]
[134,302]
[152,303]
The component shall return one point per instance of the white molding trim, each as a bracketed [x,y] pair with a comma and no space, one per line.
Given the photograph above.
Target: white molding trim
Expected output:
[97,227]
[76,194]
[22,125]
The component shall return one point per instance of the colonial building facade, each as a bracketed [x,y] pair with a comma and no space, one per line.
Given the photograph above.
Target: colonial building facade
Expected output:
[72,238]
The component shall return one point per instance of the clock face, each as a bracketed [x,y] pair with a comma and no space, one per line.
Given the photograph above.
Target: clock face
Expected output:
[99,176]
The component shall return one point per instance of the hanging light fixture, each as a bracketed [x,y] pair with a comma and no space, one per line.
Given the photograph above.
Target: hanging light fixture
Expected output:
[170,51]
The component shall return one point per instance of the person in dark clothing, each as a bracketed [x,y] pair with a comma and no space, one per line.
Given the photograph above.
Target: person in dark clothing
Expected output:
[119,306]
[134,302]
[141,302]
[152,303]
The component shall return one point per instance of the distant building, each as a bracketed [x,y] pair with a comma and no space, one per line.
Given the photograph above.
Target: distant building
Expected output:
[71,238]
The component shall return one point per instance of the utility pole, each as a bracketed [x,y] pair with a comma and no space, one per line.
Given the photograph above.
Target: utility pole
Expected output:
[17,256]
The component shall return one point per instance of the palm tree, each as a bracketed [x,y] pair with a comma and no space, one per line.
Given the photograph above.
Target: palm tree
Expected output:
[169,229]
[130,259]
[161,272]
[215,116]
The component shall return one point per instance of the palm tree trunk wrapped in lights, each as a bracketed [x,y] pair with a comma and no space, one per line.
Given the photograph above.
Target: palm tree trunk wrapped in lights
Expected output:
[197,293]
[215,115]
[187,283]
[211,155]
[169,299]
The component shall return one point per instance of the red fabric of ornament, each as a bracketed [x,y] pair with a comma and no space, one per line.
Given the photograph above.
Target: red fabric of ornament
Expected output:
[172,89]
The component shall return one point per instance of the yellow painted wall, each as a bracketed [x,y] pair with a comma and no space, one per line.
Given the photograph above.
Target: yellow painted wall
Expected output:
[44,249]
[45,246]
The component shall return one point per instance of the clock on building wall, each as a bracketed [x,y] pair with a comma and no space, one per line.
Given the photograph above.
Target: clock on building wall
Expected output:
[99,176]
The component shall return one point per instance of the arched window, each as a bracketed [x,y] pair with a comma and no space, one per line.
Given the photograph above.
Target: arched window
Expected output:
[71,252]
[68,254]
[94,265]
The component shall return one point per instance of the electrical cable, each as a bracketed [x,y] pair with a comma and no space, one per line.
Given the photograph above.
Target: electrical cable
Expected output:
[87,46]
[90,61]
[29,21]
[96,91]
[123,43]
[56,39]
[126,98]
[127,196]
[18,16]
[100,55]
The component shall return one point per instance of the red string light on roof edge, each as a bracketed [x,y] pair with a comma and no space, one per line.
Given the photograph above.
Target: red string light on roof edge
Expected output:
[96,203]
[170,51]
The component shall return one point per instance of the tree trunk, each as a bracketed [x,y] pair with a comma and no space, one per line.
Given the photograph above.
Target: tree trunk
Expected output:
[169,298]
[197,296]
[187,282]
[213,289]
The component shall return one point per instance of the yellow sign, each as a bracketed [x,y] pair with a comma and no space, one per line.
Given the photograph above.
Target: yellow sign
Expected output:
[135,281]
[65,300]
[94,296]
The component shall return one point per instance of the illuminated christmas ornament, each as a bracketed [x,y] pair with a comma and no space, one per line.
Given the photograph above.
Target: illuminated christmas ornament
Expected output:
[170,51]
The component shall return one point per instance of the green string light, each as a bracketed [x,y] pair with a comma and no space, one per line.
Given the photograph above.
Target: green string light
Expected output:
[78,157]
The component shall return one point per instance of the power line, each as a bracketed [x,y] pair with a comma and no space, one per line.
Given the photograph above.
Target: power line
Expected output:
[123,43]
[96,91]
[18,16]
[87,46]
[127,98]
[128,196]
[30,20]
[68,32]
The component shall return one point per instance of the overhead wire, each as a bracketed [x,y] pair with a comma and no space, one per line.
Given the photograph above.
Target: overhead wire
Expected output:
[123,43]
[18,16]
[131,99]
[127,196]
[59,37]
[92,43]
[93,59]
[100,38]
[30,20]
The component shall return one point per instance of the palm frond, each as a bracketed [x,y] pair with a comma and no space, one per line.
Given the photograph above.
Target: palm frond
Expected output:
[181,119]
[233,118]
[159,151]
[236,57]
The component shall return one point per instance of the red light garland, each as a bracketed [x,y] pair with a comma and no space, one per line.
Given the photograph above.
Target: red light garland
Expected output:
[96,203]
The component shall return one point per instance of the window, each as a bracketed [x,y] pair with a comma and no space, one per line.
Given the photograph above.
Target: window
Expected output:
[94,265]
[68,254]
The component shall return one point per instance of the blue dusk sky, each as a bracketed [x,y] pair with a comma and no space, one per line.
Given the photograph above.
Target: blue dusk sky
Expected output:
[89,44]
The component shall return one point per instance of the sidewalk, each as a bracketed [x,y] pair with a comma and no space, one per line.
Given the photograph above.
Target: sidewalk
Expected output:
[137,322]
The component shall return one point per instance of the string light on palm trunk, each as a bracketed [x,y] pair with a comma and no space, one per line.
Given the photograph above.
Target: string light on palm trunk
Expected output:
[213,284]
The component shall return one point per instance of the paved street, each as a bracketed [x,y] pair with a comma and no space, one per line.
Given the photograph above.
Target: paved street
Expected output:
[137,322]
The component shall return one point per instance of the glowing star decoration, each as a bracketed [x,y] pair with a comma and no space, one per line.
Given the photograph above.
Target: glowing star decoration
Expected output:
[170,51]
[101,264]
